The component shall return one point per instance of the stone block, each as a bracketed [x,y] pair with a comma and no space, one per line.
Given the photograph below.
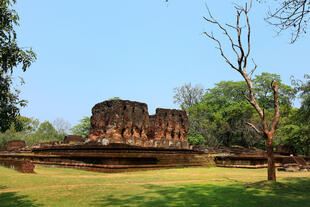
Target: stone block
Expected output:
[14,145]
[73,139]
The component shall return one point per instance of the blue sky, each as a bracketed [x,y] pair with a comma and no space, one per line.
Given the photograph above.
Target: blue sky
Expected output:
[90,51]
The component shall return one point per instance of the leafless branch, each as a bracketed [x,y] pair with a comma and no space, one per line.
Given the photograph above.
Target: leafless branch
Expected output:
[255,67]
[212,20]
[242,60]
[211,36]
[293,15]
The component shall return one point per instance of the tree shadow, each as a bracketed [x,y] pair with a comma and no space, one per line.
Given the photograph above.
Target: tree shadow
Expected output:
[10,199]
[292,192]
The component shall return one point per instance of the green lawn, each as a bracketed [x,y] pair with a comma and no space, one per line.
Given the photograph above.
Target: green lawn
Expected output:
[175,187]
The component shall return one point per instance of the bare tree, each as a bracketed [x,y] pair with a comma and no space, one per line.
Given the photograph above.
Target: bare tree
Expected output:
[290,15]
[242,53]
[61,126]
[187,96]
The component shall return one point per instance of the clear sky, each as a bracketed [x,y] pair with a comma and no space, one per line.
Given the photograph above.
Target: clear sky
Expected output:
[90,51]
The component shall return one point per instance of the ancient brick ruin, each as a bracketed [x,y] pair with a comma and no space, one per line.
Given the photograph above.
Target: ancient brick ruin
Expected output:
[128,122]
[123,137]
[14,145]
[21,165]
[73,139]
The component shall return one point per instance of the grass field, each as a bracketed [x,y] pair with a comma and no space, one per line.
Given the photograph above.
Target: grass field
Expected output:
[173,188]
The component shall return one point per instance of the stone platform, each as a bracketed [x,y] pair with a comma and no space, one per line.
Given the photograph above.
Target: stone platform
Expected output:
[255,161]
[113,157]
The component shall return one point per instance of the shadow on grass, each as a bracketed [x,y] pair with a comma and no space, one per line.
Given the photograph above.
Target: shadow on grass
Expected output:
[292,192]
[10,199]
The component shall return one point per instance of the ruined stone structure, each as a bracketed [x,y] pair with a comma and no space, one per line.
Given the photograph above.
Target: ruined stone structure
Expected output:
[168,128]
[122,137]
[73,139]
[119,121]
[14,145]
[51,143]
[128,122]
[21,165]
[169,124]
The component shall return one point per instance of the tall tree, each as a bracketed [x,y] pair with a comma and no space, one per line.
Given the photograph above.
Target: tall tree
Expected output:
[11,56]
[242,53]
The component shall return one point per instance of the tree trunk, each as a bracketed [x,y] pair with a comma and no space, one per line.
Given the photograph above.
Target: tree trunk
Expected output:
[270,157]
[307,147]
[241,66]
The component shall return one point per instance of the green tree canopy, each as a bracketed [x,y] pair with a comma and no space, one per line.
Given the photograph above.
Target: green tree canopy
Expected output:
[295,130]
[222,115]
[82,128]
[263,91]
[11,56]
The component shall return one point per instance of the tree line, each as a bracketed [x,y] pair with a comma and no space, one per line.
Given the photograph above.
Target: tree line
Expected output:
[221,116]
[33,132]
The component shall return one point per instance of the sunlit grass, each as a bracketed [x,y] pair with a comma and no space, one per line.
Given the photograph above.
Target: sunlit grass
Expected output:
[174,187]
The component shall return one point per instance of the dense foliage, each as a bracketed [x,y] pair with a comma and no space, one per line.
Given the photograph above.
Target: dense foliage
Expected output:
[33,132]
[222,116]
[11,56]
[82,128]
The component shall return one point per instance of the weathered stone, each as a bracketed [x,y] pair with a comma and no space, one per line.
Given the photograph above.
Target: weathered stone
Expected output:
[24,166]
[178,144]
[151,131]
[130,141]
[185,145]
[105,141]
[150,143]
[165,143]
[73,139]
[14,145]
[52,143]
[128,122]
[169,124]
[119,120]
